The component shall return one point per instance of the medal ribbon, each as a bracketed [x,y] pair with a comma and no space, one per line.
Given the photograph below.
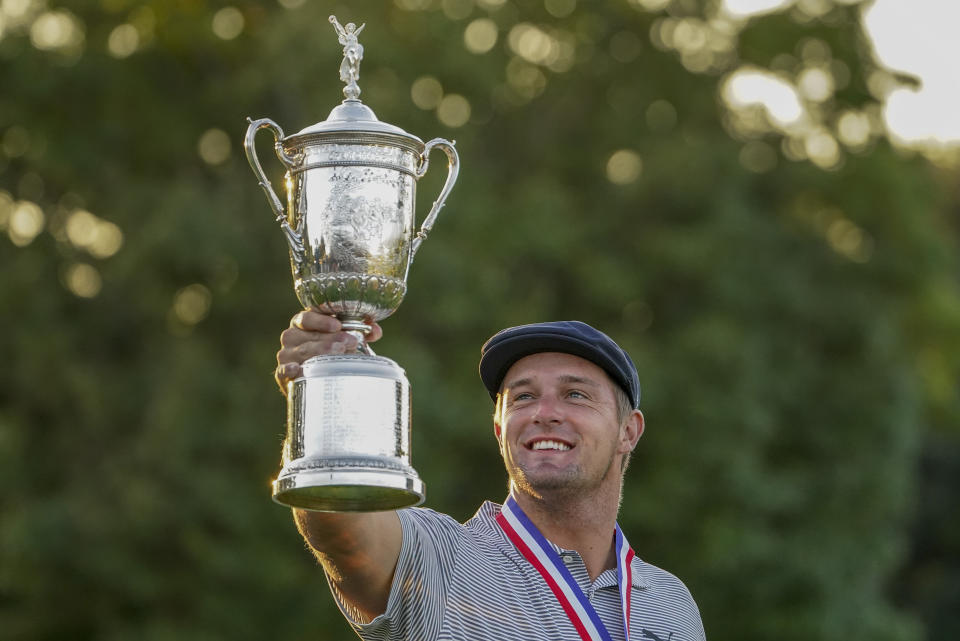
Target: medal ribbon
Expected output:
[540,554]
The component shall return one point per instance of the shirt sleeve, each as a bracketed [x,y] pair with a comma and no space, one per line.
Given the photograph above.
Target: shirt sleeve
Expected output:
[688,614]
[665,608]
[420,583]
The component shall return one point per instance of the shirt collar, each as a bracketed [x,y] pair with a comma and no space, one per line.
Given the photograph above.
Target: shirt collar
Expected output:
[487,515]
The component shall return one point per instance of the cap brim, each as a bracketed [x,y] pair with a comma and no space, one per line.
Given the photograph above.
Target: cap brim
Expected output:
[498,360]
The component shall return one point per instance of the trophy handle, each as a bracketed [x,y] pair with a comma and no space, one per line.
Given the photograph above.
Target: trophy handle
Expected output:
[294,239]
[453,168]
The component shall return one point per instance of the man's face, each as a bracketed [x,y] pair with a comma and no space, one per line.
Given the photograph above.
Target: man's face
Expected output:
[558,427]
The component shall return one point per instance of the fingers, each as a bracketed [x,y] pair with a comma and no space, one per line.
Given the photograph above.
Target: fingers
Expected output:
[314,334]
[286,373]
[313,321]
[310,334]
[298,346]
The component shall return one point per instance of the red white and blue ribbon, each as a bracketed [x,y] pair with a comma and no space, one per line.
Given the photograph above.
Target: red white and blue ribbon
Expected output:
[540,554]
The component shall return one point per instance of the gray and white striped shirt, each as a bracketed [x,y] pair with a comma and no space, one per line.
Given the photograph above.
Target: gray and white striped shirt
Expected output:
[468,582]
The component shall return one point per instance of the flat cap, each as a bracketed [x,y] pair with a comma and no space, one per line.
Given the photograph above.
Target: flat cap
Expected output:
[570,337]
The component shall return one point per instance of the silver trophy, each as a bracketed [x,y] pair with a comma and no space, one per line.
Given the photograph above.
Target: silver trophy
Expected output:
[349,221]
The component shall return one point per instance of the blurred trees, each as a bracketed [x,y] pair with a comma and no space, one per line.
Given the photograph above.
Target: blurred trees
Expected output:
[793,306]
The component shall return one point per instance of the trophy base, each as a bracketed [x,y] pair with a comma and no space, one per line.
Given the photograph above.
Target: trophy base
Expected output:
[348,491]
[348,437]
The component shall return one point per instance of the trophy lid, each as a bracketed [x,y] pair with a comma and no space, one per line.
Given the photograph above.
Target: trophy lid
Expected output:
[352,116]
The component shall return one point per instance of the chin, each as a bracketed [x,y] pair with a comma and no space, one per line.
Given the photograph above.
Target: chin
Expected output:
[538,482]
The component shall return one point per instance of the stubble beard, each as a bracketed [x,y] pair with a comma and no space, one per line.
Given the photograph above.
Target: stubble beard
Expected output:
[558,482]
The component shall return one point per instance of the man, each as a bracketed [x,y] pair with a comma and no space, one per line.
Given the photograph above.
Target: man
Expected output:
[551,563]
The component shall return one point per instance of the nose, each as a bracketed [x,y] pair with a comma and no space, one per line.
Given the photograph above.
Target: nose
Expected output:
[547,411]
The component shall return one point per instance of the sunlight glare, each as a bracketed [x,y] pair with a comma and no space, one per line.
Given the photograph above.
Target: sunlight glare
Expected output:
[624,167]
[650,5]
[525,78]
[928,115]
[213,147]
[25,223]
[815,84]
[848,239]
[56,30]
[17,10]
[457,9]
[560,8]
[453,110]
[227,23]
[99,238]
[750,8]
[480,35]
[83,280]
[123,41]
[426,92]
[822,149]
[532,44]
[918,38]
[192,304]
[751,86]
[853,129]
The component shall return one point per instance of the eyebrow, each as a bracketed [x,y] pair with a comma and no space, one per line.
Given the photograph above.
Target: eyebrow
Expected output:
[566,378]
[517,383]
[569,378]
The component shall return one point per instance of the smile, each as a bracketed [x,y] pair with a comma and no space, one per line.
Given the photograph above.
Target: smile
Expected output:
[550,445]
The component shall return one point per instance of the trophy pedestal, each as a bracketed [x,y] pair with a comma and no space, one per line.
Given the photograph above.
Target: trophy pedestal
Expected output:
[348,437]
[341,490]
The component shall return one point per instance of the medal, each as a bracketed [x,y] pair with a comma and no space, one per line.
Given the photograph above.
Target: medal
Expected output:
[540,554]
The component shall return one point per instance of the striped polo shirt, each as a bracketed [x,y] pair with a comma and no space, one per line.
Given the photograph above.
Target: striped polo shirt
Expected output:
[468,582]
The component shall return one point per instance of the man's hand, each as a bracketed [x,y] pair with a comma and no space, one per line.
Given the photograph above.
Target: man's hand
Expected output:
[313,334]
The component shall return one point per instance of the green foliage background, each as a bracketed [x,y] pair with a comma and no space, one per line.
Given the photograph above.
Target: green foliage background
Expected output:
[803,443]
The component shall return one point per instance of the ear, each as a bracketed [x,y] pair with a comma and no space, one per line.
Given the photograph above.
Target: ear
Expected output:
[497,433]
[632,431]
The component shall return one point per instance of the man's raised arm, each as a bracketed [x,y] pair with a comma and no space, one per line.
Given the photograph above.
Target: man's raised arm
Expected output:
[358,550]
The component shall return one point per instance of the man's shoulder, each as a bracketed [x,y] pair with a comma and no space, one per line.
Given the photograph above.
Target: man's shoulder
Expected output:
[665,592]
[649,575]
[429,533]
[480,526]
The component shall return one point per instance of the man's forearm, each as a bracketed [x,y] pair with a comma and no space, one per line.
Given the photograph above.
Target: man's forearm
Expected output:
[358,551]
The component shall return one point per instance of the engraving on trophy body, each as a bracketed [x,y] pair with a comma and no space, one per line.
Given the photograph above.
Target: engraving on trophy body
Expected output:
[348,420]
[358,416]
[353,205]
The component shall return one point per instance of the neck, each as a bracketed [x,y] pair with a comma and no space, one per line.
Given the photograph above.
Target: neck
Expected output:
[584,523]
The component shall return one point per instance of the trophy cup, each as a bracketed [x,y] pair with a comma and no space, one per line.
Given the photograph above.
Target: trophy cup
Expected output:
[349,220]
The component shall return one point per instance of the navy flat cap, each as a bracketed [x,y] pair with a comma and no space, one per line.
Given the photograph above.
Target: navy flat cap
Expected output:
[570,337]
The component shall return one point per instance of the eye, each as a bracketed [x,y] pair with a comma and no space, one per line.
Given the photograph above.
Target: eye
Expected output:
[576,394]
[522,396]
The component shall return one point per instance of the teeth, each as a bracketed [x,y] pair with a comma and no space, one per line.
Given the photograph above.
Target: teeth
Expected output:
[550,445]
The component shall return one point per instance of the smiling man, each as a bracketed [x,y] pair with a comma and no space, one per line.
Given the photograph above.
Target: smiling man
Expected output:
[551,562]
